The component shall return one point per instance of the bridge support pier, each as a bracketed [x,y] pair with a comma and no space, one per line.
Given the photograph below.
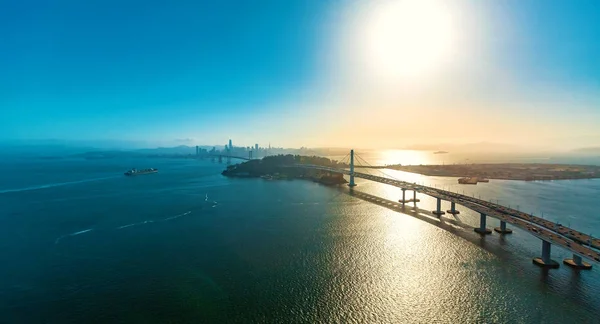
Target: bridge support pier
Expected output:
[415,197]
[352,184]
[502,229]
[452,209]
[577,263]
[545,261]
[438,211]
[482,229]
[404,201]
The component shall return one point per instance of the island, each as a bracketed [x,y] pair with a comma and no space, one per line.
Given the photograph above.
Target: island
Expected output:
[280,167]
[506,171]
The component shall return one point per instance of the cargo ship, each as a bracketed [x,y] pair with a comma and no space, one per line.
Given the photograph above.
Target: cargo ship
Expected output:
[134,172]
[467,181]
[472,180]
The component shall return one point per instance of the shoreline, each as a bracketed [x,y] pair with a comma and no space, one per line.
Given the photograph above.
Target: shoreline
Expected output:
[506,171]
[328,180]
[280,167]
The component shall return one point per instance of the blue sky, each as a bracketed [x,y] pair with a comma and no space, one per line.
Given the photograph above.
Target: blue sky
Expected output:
[258,71]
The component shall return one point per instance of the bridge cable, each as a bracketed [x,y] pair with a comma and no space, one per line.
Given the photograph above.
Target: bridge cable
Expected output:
[377,169]
[356,160]
[344,158]
[390,176]
[362,162]
[386,175]
[342,161]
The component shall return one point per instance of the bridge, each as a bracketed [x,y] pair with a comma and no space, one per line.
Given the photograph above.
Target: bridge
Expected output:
[229,157]
[581,245]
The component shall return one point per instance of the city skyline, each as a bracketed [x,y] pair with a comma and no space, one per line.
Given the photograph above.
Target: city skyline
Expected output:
[482,147]
[315,73]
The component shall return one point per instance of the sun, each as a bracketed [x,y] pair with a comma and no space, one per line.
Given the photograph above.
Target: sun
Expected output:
[406,40]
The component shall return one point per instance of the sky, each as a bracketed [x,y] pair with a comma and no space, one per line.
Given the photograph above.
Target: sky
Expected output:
[316,73]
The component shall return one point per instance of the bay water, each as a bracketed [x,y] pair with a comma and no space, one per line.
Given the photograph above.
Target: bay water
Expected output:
[81,243]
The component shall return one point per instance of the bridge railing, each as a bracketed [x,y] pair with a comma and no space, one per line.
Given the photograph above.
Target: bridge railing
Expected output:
[320,167]
[488,208]
[464,199]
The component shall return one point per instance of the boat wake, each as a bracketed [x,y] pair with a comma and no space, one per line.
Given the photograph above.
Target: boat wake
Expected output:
[176,216]
[73,234]
[155,221]
[135,224]
[124,226]
[51,185]
[214,203]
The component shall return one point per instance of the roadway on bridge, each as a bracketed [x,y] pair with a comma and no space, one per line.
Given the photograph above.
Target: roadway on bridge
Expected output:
[546,230]
[229,156]
[565,237]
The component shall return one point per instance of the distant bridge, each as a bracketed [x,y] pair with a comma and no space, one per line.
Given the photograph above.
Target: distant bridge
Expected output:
[228,157]
[549,232]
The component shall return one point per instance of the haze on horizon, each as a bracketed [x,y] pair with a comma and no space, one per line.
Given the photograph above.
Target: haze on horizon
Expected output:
[370,74]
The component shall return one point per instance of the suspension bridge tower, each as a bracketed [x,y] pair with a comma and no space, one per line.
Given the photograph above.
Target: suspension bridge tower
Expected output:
[352,183]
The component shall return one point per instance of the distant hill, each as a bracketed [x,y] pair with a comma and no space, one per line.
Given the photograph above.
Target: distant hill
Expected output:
[54,148]
[588,150]
[87,149]
[481,147]
[94,155]
[46,150]
[181,149]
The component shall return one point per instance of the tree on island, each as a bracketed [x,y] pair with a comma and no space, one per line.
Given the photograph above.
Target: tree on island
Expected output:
[282,166]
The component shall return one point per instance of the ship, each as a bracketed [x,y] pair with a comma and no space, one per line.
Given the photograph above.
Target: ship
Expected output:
[467,181]
[134,172]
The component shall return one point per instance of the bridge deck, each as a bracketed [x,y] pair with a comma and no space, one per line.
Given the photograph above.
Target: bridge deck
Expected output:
[563,236]
[229,156]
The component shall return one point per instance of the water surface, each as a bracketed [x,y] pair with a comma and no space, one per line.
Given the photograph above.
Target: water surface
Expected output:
[81,243]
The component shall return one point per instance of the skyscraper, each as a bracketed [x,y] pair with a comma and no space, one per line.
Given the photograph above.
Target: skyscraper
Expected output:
[230,145]
[256,148]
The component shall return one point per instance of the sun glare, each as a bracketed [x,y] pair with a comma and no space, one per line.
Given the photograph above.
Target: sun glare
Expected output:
[407,40]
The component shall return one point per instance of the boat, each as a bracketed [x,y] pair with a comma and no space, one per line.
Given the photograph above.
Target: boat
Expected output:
[483,180]
[467,181]
[134,172]
[440,152]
